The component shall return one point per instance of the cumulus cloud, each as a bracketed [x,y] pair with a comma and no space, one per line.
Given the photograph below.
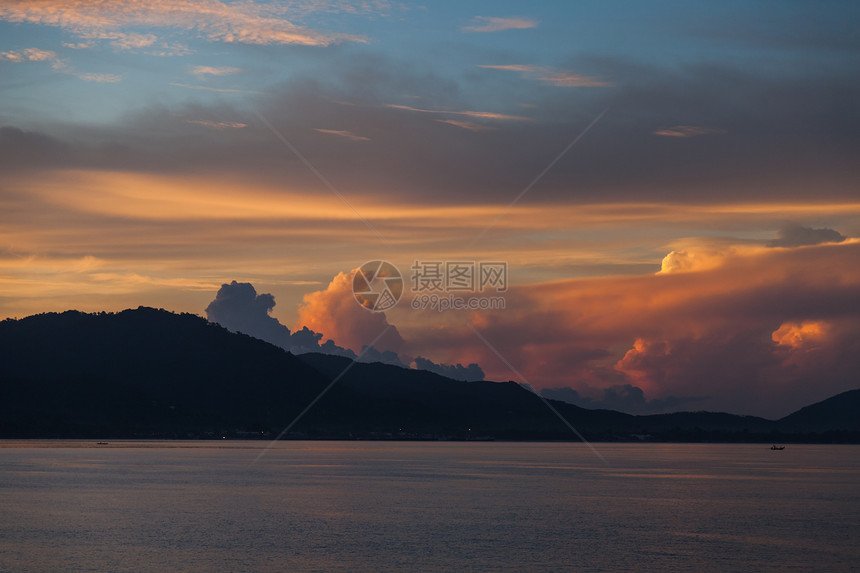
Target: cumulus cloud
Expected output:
[794,235]
[694,259]
[335,312]
[238,307]
[469,373]
[239,22]
[493,24]
[765,332]
[371,354]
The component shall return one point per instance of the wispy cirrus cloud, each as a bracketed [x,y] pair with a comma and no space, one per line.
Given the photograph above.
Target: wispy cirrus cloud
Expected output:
[475,114]
[211,89]
[215,20]
[344,134]
[47,56]
[493,24]
[560,78]
[687,131]
[214,70]
[470,125]
[100,78]
[217,124]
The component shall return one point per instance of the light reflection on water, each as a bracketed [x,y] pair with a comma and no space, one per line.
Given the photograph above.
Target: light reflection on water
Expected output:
[354,506]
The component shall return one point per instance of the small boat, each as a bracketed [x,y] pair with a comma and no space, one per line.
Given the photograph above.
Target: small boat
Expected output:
[101,443]
[775,447]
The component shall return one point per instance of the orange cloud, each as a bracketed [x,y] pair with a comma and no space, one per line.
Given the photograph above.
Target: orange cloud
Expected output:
[776,328]
[28,55]
[337,315]
[553,77]
[800,334]
[242,22]
[475,114]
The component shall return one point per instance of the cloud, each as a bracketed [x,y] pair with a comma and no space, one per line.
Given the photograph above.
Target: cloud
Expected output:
[620,397]
[687,131]
[765,332]
[242,22]
[469,373]
[475,114]
[214,71]
[28,55]
[344,134]
[100,78]
[695,259]
[764,158]
[218,124]
[131,41]
[552,77]
[211,89]
[37,55]
[371,354]
[335,312]
[493,24]
[238,307]
[794,235]
[471,126]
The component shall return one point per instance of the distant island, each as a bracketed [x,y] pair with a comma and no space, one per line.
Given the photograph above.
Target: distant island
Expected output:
[154,374]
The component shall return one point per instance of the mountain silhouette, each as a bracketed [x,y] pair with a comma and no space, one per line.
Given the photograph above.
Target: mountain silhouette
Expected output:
[841,411]
[148,373]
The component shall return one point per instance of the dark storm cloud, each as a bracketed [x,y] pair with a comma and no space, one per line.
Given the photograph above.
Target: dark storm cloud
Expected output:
[469,373]
[794,235]
[621,397]
[238,307]
[792,127]
[27,149]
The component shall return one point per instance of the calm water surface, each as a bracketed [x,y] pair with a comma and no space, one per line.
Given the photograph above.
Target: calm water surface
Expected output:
[398,506]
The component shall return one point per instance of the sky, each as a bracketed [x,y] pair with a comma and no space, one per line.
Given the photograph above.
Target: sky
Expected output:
[672,187]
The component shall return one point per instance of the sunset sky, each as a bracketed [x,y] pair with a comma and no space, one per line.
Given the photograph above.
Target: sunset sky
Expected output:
[674,186]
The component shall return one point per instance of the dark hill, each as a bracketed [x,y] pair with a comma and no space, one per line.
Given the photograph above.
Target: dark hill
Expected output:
[841,411]
[399,401]
[143,372]
[153,373]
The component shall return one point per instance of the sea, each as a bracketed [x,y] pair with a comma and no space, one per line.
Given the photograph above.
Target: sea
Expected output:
[427,506]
